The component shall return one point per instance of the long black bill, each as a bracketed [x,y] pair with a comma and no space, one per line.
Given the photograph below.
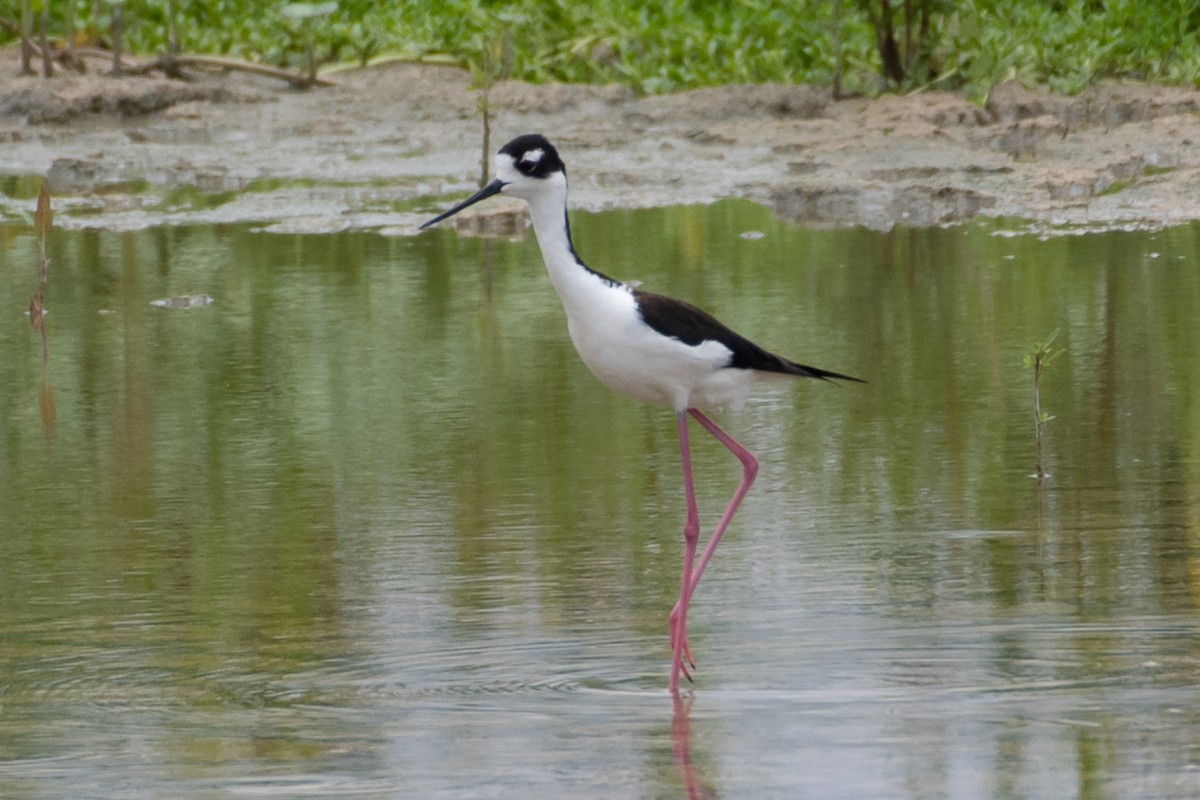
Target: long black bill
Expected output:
[492,188]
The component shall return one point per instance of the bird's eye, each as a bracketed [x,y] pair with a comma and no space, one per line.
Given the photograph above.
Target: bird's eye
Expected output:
[529,161]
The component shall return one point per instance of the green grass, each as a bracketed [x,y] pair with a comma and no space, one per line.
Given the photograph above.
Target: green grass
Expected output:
[671,45]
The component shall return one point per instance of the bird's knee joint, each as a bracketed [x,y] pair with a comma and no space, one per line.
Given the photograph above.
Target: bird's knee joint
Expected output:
[750,465]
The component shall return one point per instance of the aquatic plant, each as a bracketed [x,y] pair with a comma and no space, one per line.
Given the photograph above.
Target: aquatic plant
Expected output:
[1038,358]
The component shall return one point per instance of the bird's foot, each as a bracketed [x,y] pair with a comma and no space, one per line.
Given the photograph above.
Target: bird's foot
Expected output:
[680,649]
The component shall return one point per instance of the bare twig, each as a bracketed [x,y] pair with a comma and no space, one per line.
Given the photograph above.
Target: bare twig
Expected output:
[44,22]
[26,37]
[134,67]
[236,65]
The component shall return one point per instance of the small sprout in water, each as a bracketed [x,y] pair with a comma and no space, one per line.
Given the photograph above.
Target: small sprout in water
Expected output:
[1038,357]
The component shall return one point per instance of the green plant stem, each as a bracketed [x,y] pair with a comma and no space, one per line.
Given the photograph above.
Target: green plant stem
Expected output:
[1038,419]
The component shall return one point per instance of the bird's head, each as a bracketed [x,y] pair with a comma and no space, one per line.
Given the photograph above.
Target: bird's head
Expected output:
[528,167]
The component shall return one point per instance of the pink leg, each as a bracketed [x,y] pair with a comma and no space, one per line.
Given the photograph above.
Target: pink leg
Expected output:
[691,537]
[691,534]
[749,472]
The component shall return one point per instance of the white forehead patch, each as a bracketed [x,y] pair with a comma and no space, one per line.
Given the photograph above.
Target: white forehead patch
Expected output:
[532,156]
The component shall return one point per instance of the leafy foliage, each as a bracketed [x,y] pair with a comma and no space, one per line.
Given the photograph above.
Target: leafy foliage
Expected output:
[679,44]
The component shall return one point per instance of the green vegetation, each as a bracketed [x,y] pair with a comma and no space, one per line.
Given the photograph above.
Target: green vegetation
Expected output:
[863,45]
[1038,357]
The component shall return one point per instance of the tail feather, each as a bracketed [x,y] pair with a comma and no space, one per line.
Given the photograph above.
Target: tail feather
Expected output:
[803,371]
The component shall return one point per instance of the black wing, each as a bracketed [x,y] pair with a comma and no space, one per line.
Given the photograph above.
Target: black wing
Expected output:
[692,326]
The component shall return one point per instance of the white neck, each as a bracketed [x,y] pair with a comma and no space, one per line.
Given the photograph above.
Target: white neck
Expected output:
[575,283]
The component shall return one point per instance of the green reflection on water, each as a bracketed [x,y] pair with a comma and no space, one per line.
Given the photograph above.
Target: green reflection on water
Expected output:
[372,454]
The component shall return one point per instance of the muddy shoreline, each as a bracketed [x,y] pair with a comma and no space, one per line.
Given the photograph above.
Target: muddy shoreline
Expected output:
[387,144]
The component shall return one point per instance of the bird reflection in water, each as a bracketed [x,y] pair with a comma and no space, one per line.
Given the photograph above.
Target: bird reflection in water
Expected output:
[681,748]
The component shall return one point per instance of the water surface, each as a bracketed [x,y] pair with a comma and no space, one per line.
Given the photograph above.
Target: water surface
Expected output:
[366,527]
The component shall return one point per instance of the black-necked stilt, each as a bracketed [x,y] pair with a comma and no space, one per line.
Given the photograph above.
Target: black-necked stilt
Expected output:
[654,348]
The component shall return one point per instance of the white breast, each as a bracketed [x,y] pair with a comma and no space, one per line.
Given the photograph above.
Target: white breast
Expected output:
[632,358]
[619,348]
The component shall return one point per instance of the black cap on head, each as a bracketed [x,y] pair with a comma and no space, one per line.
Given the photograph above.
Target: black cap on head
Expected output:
[534,156]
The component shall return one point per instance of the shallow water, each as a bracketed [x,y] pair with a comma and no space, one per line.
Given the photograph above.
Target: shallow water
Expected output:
[364,526]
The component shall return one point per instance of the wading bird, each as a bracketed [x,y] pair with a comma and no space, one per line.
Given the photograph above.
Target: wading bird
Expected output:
[654,348]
